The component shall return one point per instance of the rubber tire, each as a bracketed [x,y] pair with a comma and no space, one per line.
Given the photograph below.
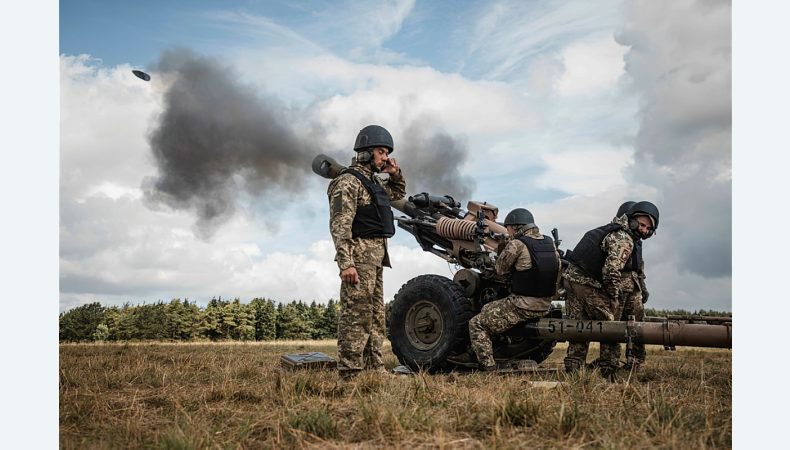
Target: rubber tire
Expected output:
[456,310]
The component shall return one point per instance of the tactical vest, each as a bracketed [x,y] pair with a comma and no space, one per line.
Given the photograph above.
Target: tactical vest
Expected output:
[540,280]
[635,262]
[589,257]
[375,219]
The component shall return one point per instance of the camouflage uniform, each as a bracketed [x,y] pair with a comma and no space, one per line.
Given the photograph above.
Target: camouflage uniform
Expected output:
[360,331]
[634,306]
[588,299]
[503,314]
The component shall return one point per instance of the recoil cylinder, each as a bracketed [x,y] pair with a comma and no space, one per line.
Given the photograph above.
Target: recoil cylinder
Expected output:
[455,228]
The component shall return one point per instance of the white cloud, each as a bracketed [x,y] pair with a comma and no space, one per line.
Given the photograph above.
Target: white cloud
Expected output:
[588,171]
[113,191]
[263,28]
[356,29]
[104,114]
[380,20]
[363,93]
[591,67]
[409,262]
[509,34]
[680,64]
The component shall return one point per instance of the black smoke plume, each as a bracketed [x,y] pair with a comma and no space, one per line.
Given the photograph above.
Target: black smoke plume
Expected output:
[217,139]
[432,161]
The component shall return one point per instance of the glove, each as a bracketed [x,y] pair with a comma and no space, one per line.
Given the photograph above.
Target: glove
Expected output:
[643,288]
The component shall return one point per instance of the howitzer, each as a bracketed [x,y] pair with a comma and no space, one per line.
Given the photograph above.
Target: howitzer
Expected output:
[430,313]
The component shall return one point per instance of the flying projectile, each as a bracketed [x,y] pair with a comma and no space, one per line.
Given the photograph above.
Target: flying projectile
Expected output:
[141,75]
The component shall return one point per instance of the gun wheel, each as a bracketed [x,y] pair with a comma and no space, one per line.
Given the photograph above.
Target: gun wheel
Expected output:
[424,325]
[429,322]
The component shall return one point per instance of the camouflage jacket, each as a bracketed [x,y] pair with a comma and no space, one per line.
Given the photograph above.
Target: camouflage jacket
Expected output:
[617,246]
[515,256]
[641,272]
[345,194]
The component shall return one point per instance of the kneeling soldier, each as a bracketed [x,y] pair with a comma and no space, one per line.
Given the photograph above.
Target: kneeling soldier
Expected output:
[533,264]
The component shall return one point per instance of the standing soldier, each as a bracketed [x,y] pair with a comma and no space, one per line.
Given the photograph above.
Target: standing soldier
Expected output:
[601,276]
[533,264]
[360,222]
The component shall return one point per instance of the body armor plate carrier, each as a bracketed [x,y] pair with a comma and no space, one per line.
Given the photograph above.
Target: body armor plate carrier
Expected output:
[375,219]
[541,279]
[589,256]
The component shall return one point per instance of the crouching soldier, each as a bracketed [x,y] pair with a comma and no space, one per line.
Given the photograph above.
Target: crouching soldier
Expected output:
[602,276]
[635,300]
[532,263]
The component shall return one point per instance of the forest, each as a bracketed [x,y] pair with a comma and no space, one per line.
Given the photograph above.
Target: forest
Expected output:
[221,320]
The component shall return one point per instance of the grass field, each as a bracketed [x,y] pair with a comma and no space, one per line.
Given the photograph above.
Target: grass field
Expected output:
[234,395]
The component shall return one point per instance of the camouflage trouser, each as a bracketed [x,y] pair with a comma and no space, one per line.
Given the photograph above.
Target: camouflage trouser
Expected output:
[360,329]
[633,306]
[496,318]
[588,303]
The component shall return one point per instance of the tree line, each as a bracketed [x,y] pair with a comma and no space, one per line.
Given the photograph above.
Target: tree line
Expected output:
[182,320]
[258,320]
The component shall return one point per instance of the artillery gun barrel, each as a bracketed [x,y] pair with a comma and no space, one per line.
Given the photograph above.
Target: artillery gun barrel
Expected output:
[667,333]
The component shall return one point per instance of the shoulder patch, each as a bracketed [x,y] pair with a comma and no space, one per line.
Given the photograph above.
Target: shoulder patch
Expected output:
[336,204]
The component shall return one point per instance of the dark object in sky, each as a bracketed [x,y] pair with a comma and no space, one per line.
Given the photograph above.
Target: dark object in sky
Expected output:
[141,75]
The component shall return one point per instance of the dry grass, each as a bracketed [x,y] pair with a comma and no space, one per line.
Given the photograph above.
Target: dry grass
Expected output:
[181,396]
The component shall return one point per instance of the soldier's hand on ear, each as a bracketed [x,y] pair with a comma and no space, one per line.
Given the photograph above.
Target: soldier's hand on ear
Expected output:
[391,167]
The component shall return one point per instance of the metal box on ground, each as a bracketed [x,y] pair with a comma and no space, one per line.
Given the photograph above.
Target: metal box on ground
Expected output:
[308,361]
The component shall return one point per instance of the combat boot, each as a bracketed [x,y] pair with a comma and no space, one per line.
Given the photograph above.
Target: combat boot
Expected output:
[632,366]
[572,365]
[466,359]
[594,364]
[608,372]
[349,375]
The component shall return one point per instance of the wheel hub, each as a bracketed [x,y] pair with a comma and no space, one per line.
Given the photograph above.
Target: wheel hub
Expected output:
[424,325]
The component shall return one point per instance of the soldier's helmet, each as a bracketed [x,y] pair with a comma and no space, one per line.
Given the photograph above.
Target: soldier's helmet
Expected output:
[519,216]
[374,136]
[645,208]
[624,208]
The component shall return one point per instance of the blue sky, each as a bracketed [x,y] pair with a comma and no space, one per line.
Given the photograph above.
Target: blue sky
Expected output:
[567,108]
